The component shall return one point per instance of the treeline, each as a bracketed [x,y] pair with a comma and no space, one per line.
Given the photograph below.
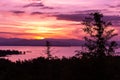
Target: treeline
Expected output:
[61,69]
[4,53]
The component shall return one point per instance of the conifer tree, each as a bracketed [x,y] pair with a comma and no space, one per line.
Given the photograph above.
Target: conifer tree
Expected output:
[97,41]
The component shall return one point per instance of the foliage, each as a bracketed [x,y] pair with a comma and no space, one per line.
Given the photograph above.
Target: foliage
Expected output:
[98,42]
[59,69]
[4,53]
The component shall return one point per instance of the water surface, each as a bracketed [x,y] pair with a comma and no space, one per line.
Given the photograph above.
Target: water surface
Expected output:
[37,51]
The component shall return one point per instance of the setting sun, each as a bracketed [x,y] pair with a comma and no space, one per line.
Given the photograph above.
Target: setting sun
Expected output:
[39,38]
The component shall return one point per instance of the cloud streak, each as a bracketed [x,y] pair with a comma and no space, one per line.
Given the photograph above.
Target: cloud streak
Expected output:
[37,5]
[80,17]
[34,5]
[18,12]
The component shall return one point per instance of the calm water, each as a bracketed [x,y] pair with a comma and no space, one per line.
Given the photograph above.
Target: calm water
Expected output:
[37,51]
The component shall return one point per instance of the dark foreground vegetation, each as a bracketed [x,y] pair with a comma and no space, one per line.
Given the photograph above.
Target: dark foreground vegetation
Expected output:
[4,53]
[61,69]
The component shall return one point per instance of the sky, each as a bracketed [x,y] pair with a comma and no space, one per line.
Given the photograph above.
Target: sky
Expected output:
[59,19]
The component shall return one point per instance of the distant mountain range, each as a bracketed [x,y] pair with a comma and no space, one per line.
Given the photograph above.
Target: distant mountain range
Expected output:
[33,42]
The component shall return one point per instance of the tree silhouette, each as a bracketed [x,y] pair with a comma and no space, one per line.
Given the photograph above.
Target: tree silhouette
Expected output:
[48,51]
[97,41]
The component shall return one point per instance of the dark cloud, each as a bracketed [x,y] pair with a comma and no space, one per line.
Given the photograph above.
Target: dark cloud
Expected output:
[34,5]
[114,6]
[114,19]
[40,5]
[46,7]
[36,13]
[80,17]
[87,11]
[110,6]
[93,11]
[18,12]
[71,17]
[118,5]
[77,15]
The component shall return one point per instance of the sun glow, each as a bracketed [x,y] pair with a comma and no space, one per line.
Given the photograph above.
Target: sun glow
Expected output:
[39,38]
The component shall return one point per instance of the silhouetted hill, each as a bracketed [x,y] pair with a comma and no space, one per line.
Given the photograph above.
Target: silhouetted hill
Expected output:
[33,42]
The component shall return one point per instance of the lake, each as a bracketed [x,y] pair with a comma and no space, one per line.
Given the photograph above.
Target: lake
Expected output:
[37,51]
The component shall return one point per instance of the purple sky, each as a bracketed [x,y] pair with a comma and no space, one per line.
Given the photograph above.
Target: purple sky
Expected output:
[39,19]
